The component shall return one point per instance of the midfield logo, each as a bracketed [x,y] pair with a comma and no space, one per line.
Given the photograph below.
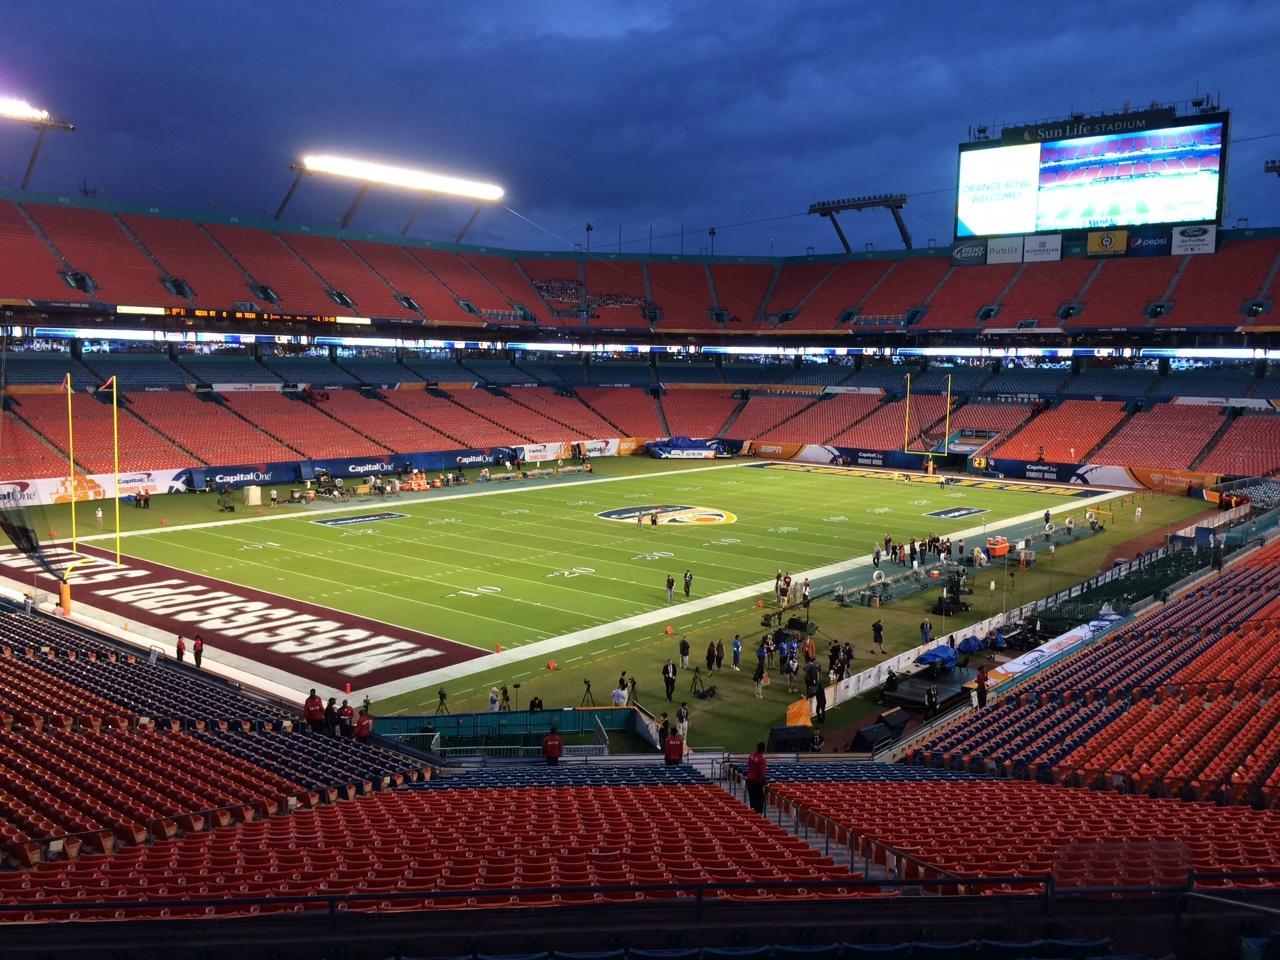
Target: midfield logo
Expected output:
[669,513]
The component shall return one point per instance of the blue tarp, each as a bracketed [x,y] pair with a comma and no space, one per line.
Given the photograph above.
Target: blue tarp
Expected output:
[943,656]
[970,644]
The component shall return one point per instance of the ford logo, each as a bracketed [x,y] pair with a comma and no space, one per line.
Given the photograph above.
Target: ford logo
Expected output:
[1192,231]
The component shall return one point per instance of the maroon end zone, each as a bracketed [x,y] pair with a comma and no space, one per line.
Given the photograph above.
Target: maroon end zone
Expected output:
[320,645]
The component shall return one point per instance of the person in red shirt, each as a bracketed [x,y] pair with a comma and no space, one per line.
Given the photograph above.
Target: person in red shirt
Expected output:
[346,719]
[552,747]
[313,712]
[673,748]
[364,725]
[756,778]
[181,648]
[197,650]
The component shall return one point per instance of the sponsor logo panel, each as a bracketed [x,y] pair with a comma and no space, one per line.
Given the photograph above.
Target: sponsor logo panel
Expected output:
[362,518]
[669,513]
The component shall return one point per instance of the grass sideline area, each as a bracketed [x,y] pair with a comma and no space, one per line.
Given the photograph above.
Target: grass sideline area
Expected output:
[735,719]
[557,568]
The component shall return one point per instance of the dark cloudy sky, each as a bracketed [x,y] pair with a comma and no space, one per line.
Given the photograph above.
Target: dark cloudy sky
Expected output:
[639,114]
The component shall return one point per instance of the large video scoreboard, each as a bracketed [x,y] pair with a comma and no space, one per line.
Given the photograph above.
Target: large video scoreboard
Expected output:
[1094,174]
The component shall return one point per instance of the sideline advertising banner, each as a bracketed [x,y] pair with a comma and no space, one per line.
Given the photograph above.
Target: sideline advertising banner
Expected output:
[1194,240]
[969,252]
[1107,243]
[1148,242]
[1042,249]
[1004,250]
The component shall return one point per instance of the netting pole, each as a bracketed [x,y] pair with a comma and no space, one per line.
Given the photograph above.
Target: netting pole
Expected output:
[115,442]
[946,436]
[71,460]
[906,417]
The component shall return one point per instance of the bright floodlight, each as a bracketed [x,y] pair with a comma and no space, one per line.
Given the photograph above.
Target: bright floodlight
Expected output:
[402,177]
[11,109]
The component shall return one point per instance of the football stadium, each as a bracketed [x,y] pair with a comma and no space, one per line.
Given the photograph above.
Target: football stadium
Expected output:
[382,594]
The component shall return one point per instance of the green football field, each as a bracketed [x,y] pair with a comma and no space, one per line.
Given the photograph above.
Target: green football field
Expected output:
[532,565]
[515,564]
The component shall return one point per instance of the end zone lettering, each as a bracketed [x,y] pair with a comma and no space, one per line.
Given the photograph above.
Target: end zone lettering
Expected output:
[362,518]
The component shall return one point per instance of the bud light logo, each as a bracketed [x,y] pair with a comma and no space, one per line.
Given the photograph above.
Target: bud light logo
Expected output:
[969,253]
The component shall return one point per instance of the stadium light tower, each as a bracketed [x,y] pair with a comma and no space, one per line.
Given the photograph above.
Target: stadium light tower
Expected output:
[371,174]
[893,202]
[19,111]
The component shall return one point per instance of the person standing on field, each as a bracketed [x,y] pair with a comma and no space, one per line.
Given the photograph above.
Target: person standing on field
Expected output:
[197,650]
[719,655]
[688,583]
[671,588]
[181,648]
[669,678]
[684,652]
[737,652]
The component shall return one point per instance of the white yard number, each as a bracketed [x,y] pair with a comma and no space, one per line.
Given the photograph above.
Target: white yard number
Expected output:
[474,592]
[432,523]
[837,519]
[359,533]
[784,529]
[259,546]
[580,503]
[572,572]
[512,513]
[881,510]
[722,542]
[654,555]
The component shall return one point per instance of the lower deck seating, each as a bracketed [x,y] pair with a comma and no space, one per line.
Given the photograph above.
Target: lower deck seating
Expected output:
[765,412]
[141,447]
[894,423]
[1168,436]
[1064,434]
[208,429]
[1249,448]
[631,409]
[301,426]
[383,423]
[1184,702]
[565,835]
[697,413]
[1079,837]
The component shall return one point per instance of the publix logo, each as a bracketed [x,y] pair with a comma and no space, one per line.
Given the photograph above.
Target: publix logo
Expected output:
[669,513]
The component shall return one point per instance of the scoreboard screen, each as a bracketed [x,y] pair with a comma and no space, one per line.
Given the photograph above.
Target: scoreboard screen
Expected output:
[1169,175]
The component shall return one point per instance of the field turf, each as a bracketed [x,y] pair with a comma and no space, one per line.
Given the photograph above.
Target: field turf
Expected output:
[514,564]
[530,562]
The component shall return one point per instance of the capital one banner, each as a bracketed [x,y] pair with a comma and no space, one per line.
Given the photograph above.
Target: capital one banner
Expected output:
[1042,249]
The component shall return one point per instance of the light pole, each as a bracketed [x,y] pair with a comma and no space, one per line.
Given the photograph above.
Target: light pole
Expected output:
[369,174]
[19,111]
[589,229]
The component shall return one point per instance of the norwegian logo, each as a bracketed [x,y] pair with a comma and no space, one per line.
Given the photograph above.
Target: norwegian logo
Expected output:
[669,513]
[956,513]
